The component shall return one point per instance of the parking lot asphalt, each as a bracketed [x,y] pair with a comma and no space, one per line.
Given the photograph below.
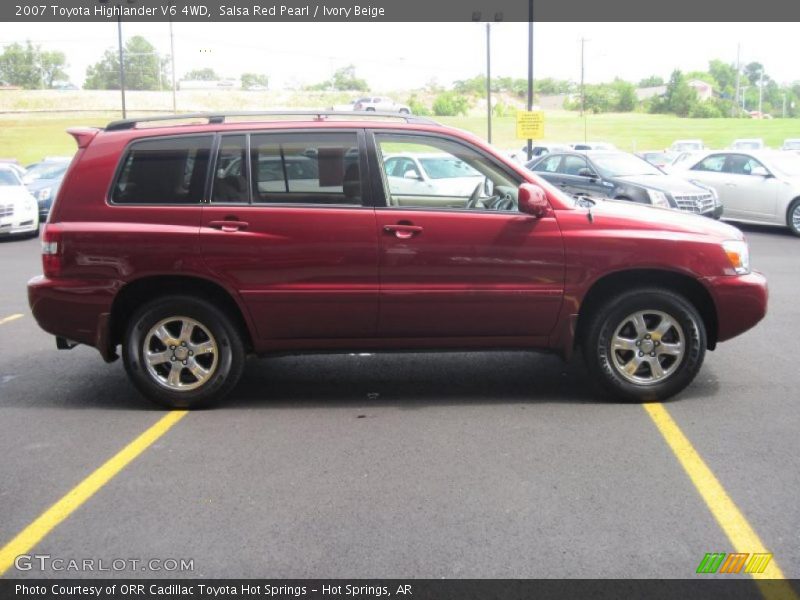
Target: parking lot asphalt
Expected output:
[404,465]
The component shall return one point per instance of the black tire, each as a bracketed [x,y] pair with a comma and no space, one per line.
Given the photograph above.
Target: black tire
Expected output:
[225,362]
[404,111]
[370,109]
[604,364]
[790,222]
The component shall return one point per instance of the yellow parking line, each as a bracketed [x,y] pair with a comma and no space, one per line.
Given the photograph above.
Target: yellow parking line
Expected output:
[730,518]
[53,516]
[10,318]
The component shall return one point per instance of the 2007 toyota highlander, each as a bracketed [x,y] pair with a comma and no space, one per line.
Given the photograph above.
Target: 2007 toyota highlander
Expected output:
[193,241]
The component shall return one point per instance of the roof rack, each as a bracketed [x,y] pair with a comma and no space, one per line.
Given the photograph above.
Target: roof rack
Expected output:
[215,118]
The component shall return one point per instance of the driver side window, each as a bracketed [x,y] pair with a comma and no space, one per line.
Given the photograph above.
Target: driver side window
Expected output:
[436,173]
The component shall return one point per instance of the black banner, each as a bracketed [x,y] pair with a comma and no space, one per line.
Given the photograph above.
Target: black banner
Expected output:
[410,589]
[265,11]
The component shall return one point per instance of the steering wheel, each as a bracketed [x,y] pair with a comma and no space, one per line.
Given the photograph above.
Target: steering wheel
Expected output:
[474,197]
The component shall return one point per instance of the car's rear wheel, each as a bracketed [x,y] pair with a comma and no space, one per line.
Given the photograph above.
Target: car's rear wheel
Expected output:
[404,111]
[182,352]
[645,344]
[793,217]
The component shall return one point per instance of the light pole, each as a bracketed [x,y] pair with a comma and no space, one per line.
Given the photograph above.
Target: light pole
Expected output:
[760,92]
[530,70]
[121,58]
[172,64]
[498,16]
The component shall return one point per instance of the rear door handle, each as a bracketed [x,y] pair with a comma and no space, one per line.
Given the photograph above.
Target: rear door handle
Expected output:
[229,225]
[403,232]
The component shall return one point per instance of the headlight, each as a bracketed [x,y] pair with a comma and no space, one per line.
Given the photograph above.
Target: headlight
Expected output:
[44,194]
[658,198]
[738,254]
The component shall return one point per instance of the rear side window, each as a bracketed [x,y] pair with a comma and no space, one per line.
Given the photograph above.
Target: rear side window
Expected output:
[163,171]
[305,168]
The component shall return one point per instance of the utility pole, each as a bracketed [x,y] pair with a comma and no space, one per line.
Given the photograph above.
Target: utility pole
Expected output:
[735,106]
[583,92]
[530,70]
[489,82]
[783,114]
[760,92]
[121,66]
[172,68]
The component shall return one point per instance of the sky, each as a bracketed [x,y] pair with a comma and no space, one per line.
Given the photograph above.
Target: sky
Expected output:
[409,55]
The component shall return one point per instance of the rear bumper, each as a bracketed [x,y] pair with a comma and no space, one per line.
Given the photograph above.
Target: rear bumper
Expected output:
[741,302]
[75,310]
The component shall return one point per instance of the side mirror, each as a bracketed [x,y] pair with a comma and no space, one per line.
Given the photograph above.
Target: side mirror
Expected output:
[761,172]
[532,200]
[411,175]
[586,173]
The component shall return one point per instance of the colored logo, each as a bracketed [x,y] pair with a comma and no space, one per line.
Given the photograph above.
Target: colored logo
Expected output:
[738,562]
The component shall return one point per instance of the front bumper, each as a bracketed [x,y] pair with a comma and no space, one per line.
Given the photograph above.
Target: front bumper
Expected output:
[19,224]
[741,302]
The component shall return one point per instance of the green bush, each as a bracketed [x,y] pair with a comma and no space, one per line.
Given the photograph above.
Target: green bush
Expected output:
[417,107]
[450,104]
[705,110]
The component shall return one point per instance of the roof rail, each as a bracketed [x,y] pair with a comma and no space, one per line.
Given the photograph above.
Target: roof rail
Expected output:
[215,118]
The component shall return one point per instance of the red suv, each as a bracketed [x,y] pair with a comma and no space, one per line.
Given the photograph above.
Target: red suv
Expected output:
[192,244]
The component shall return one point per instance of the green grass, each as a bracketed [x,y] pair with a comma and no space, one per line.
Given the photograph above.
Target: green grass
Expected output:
[634,131]
[32,135]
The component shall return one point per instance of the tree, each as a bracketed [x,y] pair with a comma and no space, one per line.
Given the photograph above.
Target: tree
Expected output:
[652,81]
[625,96]
[251,80]
[30,67]
[680,96]
[724,75]
[206,74]
[345,79]
[144,68]
[753,73]
[450,104]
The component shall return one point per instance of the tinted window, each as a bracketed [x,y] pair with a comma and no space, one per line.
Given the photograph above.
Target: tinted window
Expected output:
[571,164]
[230,176]
[318,168]
[739,164]
[164,171]
[549,164]
[711,163]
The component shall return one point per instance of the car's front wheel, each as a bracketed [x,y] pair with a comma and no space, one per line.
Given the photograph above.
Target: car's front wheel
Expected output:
[645,344]
[793,217]
[182,352]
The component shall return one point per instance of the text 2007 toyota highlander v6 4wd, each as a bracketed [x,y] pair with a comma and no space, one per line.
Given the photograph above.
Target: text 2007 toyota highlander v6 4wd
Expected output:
[191,245]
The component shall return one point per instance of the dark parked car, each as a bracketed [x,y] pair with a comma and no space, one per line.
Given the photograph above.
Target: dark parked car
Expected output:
[43,181]
[191,246]
[623,176]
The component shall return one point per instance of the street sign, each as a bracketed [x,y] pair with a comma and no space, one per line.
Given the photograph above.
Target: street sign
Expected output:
[530,124]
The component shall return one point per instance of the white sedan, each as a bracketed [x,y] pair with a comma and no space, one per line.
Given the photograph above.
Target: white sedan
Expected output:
[758,186]
[19,211]
[431,174]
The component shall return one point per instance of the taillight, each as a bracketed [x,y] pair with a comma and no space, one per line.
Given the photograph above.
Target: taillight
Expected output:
[52,251]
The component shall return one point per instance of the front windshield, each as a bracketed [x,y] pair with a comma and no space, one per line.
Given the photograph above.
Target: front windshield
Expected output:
[623,165]
[447,168]
[793,145]
[8,177]
[788,164]
[748,145]
[687,146]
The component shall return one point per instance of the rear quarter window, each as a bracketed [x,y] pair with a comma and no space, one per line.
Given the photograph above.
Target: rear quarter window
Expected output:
[163,171]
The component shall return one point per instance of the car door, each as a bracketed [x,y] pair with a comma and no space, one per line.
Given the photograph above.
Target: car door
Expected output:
[710,171]
[288,228]
[574,177]
[452,273]
[548,169]
[751,191]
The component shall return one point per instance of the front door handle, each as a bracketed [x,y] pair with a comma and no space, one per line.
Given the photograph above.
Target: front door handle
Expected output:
[403,232]
[229,225]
